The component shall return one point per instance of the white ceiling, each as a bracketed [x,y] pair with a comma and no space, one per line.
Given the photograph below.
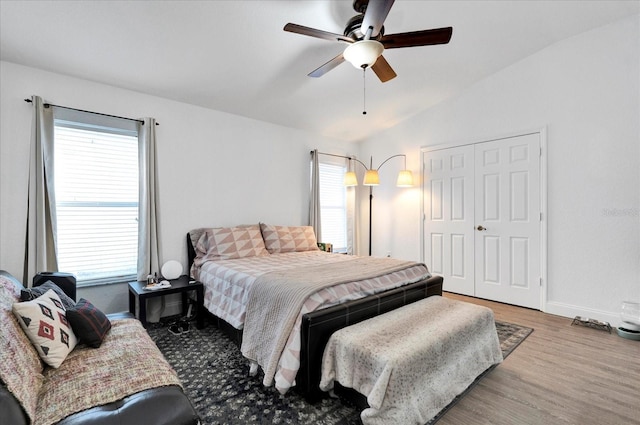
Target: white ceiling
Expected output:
[233,56]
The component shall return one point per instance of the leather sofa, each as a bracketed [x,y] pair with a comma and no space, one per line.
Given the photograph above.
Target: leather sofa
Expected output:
[159,406]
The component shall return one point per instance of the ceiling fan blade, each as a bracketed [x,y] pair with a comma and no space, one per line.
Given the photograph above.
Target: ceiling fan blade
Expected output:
[374,16]
[383,70]
[417,38]
[312,32]
[319,72]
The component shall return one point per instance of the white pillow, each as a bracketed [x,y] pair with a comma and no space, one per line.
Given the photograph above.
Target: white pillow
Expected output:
[45,322]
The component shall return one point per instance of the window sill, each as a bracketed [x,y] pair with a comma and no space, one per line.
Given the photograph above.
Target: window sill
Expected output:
[105,282]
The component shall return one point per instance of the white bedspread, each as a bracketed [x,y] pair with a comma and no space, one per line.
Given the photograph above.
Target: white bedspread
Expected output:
[412,362]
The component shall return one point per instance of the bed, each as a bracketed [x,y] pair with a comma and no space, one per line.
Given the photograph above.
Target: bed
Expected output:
[242,267]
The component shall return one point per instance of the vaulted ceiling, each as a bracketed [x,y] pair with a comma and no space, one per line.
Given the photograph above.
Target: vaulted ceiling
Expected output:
[233,56]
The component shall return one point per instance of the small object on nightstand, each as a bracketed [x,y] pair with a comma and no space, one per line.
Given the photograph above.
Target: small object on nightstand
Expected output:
[172,269]
[159,285]
[326,247]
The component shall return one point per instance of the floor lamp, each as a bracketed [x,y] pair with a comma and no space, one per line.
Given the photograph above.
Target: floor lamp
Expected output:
[371,178]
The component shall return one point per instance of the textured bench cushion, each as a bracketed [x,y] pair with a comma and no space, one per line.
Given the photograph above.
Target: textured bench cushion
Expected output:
[411,362]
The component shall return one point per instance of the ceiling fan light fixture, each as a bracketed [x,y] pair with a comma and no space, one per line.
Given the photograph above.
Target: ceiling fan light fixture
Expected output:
[363,53]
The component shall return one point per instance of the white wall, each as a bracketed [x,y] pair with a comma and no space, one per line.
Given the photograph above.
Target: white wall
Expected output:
[215,169]
[585,91]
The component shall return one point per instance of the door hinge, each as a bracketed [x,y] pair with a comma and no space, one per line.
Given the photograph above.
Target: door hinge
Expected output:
[540,281]
[540,216]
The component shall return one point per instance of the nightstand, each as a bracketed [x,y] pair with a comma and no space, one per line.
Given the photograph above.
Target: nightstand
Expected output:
[180,285]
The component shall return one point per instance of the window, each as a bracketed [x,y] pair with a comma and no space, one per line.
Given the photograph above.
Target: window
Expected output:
[96,196]
[333,206]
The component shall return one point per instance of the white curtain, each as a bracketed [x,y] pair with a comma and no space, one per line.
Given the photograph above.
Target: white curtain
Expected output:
[148,223]
[352,228]
[40,239]
[314,203]
[352,216]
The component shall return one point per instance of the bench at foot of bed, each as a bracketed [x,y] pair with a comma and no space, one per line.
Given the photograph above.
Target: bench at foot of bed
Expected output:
[319,325]
[412,362]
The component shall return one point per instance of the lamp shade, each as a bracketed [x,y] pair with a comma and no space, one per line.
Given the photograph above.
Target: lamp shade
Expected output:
[405,179]
[350,179]
[371,178]
[364,53]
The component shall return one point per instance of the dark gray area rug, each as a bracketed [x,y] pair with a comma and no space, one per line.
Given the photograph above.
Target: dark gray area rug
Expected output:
[216,379]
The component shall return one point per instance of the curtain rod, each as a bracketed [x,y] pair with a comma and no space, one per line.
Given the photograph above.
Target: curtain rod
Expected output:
[350,158]
[46,105]
[332,154]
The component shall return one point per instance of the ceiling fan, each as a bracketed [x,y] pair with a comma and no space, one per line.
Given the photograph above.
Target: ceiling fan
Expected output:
[365,35]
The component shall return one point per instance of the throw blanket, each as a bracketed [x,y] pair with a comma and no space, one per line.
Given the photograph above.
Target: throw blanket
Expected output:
[275,300]
[127,362]
[412,362]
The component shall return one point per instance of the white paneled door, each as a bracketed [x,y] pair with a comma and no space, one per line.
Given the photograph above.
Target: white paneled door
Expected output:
[449,217]
[482,219]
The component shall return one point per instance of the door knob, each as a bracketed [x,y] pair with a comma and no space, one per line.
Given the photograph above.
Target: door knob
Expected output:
[480,228]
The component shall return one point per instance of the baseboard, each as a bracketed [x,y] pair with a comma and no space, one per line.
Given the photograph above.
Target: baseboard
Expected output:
[571,311]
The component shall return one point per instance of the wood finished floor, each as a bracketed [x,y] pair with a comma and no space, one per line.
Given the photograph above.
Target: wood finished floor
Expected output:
[561,374]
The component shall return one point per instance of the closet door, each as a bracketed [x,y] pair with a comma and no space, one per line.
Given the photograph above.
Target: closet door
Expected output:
[507,211]
[449,217]
[482,229]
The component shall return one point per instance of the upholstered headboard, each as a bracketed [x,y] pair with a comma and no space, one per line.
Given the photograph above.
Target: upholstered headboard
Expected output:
[192,239]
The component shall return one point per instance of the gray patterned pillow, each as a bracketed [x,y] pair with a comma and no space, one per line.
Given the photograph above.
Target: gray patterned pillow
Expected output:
[225,243]
[280,239]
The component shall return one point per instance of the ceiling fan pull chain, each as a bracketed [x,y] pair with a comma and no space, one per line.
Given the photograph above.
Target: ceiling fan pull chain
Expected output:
[364,92]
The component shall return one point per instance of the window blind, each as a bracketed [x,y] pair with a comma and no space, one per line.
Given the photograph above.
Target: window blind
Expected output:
[333,206]
[96,193]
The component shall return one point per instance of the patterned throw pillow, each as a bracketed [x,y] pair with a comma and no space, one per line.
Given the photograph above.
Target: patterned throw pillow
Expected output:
[225,243]
[88,323]
[45,323]
[279,239]
[29,294]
